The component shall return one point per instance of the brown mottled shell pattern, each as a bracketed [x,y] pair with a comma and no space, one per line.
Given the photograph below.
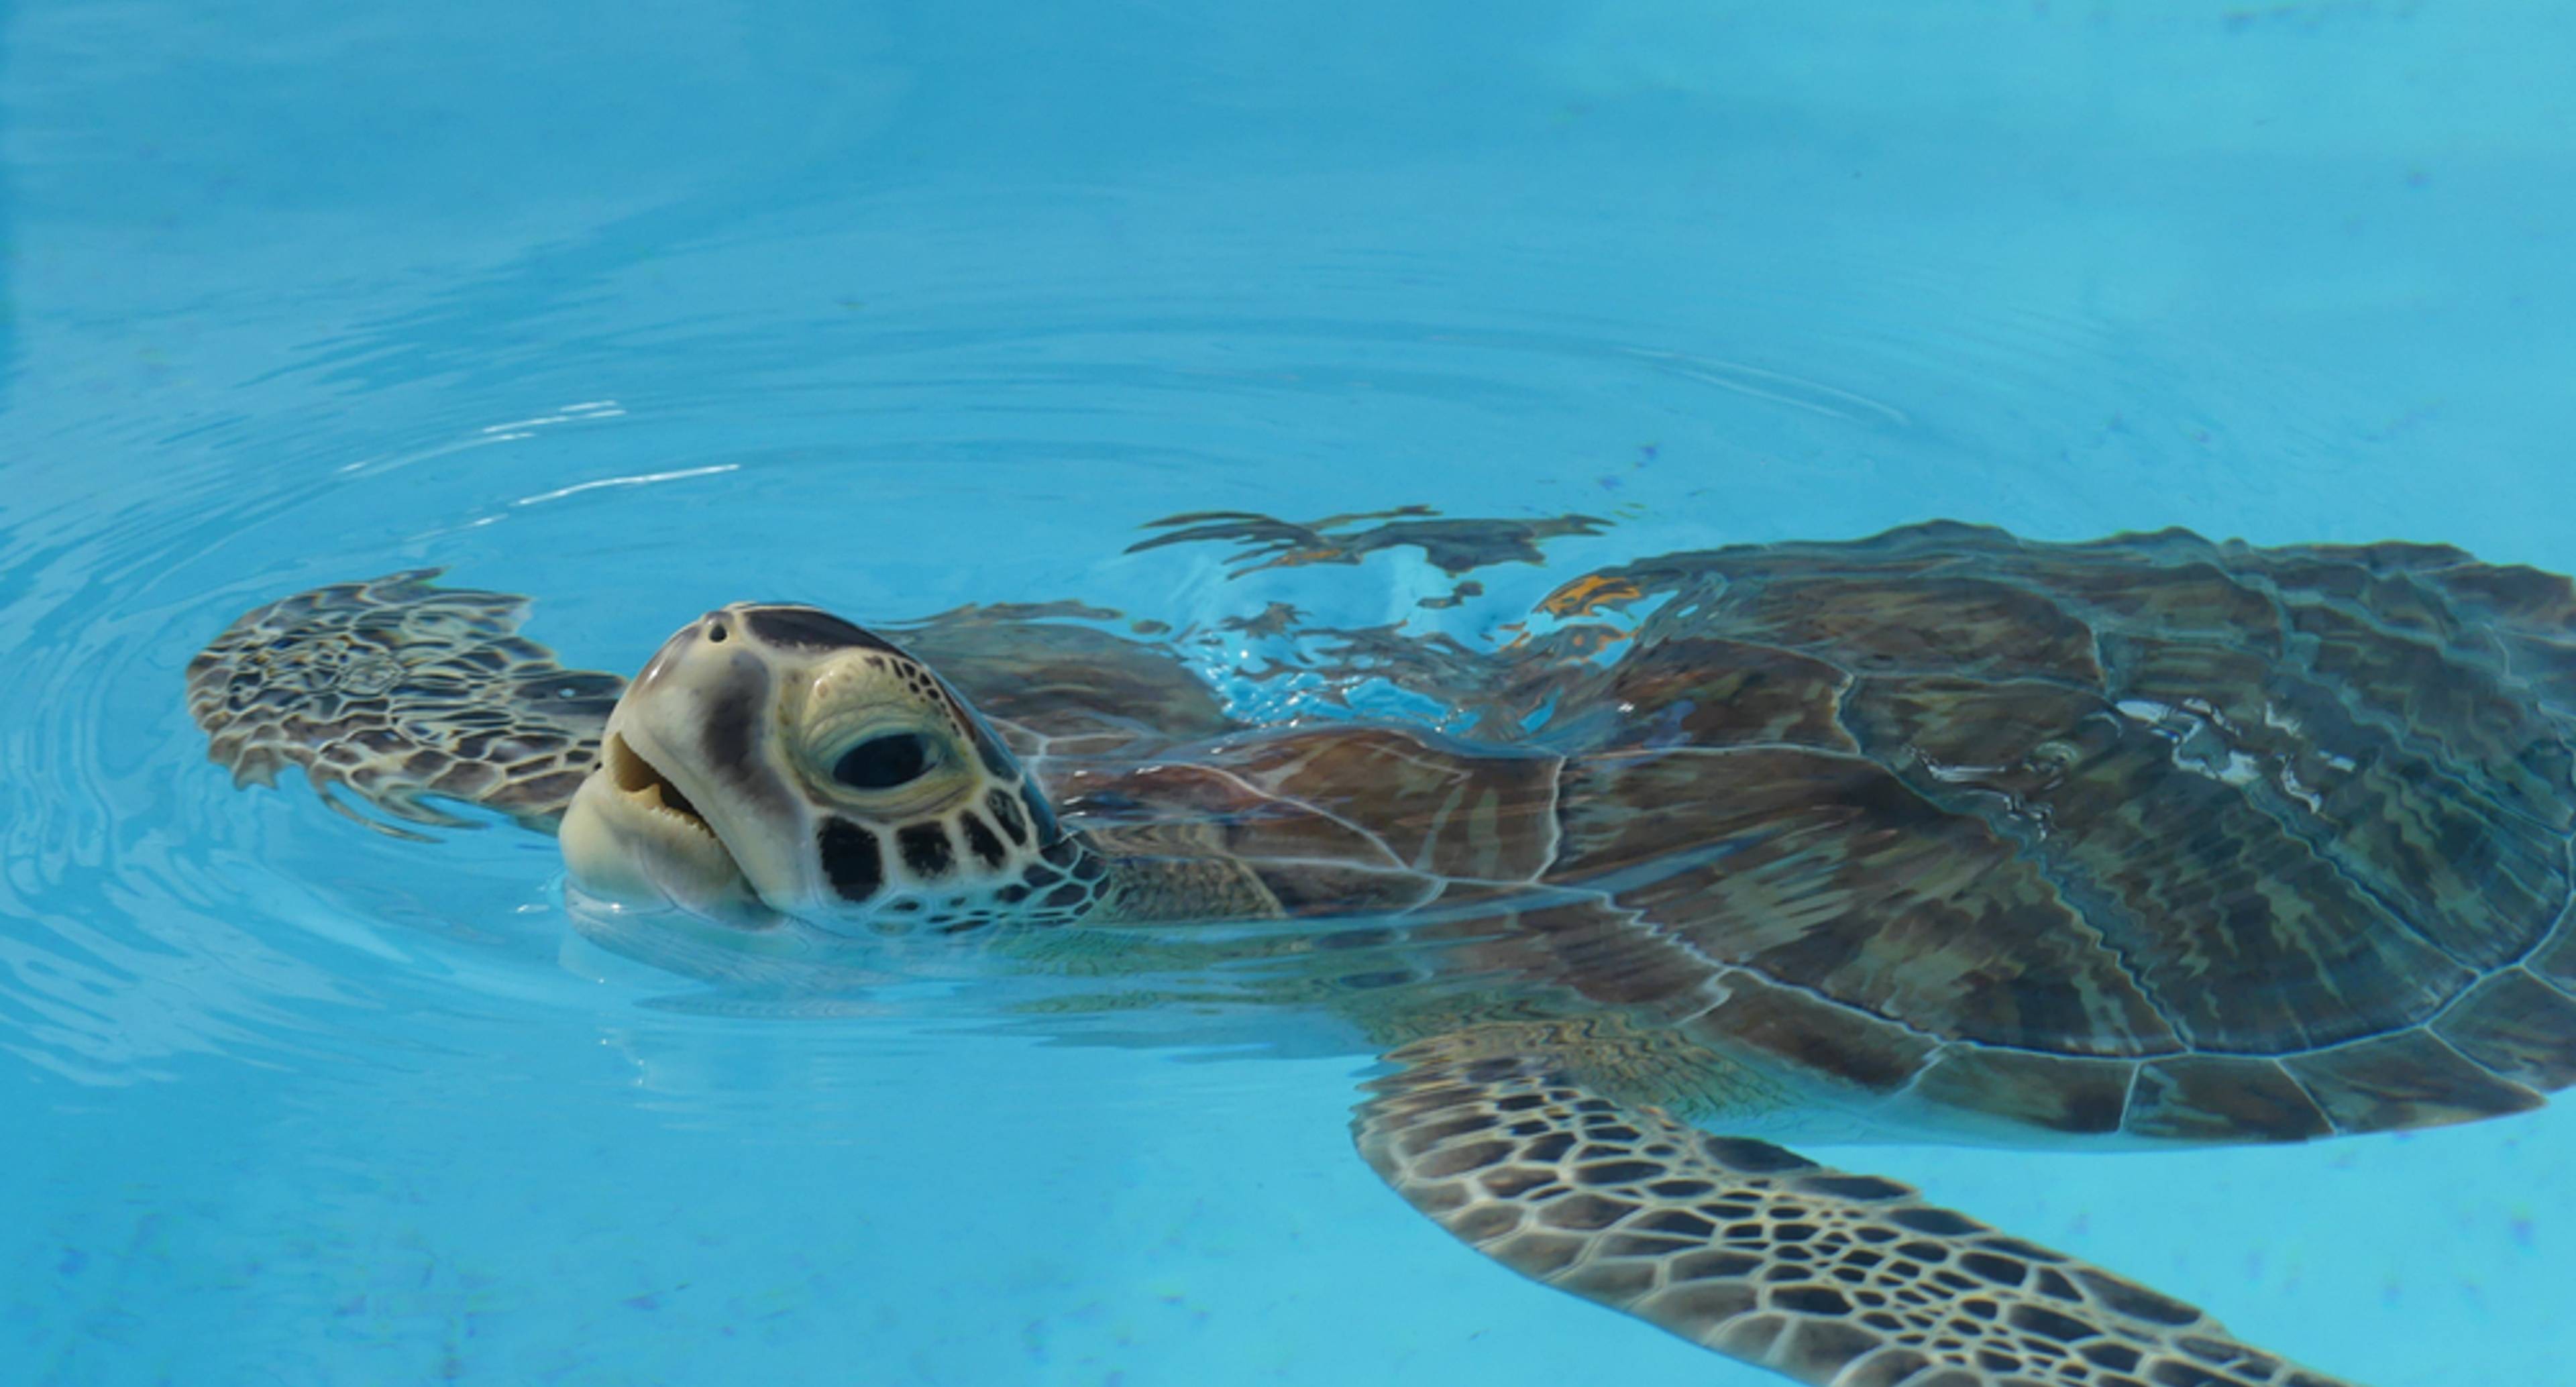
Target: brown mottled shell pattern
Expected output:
[2153,836]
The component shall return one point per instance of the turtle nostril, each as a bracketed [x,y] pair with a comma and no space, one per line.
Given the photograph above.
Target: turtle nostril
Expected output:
[715,630]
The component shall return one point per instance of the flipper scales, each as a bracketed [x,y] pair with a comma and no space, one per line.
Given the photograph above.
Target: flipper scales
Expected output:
[1827,1278]
[400,692]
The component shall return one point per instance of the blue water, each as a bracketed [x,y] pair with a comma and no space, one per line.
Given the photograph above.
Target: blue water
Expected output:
[642,309]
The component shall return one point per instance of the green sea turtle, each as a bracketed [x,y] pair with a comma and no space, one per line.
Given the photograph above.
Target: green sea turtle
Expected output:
[2149,840]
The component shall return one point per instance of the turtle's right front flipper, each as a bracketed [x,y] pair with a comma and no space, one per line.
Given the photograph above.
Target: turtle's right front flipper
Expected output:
[402,692]
[1834,1280]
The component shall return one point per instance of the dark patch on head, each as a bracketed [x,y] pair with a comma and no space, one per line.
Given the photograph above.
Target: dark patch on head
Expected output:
[1006,812]
[1012,895]
[1061,852]
[1041,818]
[810,628]
[1089,868]
[988,749]
[926,849]
[732,731]
[852,859]
[980,839]
[1065,895]
[1036,875]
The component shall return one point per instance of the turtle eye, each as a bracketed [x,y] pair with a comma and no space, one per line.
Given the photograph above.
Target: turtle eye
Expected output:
[882,763]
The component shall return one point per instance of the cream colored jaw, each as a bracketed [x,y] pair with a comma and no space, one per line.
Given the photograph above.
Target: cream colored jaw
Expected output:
[627,841]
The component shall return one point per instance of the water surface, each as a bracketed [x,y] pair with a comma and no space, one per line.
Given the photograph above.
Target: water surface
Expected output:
[901,306]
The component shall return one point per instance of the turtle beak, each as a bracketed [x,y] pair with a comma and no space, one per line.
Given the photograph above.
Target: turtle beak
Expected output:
[632,838]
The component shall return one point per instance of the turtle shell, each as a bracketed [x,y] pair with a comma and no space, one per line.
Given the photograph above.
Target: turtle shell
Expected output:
[2150,835]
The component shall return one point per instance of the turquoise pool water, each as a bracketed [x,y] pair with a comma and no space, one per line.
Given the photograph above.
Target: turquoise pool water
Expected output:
[641,309]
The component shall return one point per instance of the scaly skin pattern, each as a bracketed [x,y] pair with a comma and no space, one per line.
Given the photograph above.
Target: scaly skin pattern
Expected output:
[1830,1279]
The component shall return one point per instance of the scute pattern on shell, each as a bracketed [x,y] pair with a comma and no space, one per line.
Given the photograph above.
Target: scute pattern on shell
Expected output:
[2150,835]
[2279,836]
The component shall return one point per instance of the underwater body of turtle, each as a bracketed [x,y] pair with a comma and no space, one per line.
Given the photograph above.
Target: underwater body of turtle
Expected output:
[1945,833]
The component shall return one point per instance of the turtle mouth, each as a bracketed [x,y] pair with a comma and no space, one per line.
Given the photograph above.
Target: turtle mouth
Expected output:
[634,840]
[647,787]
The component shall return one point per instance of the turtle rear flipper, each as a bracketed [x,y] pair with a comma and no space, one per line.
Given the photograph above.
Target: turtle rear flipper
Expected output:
[401,693]
[1831,1279]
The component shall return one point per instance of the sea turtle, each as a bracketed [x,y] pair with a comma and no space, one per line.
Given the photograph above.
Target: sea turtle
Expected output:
[2146,840]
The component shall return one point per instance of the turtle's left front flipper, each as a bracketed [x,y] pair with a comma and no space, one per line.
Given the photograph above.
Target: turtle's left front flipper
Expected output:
[402,692]
[1834,1280]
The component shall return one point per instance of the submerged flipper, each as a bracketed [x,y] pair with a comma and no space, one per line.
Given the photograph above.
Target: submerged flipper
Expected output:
[400,692]
[1831,1279]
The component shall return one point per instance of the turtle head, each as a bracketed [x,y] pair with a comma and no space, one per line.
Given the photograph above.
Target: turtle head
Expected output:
[776,761]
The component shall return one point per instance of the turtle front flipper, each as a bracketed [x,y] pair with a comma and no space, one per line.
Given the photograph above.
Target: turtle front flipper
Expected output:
[1831,1279]
[402,692]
